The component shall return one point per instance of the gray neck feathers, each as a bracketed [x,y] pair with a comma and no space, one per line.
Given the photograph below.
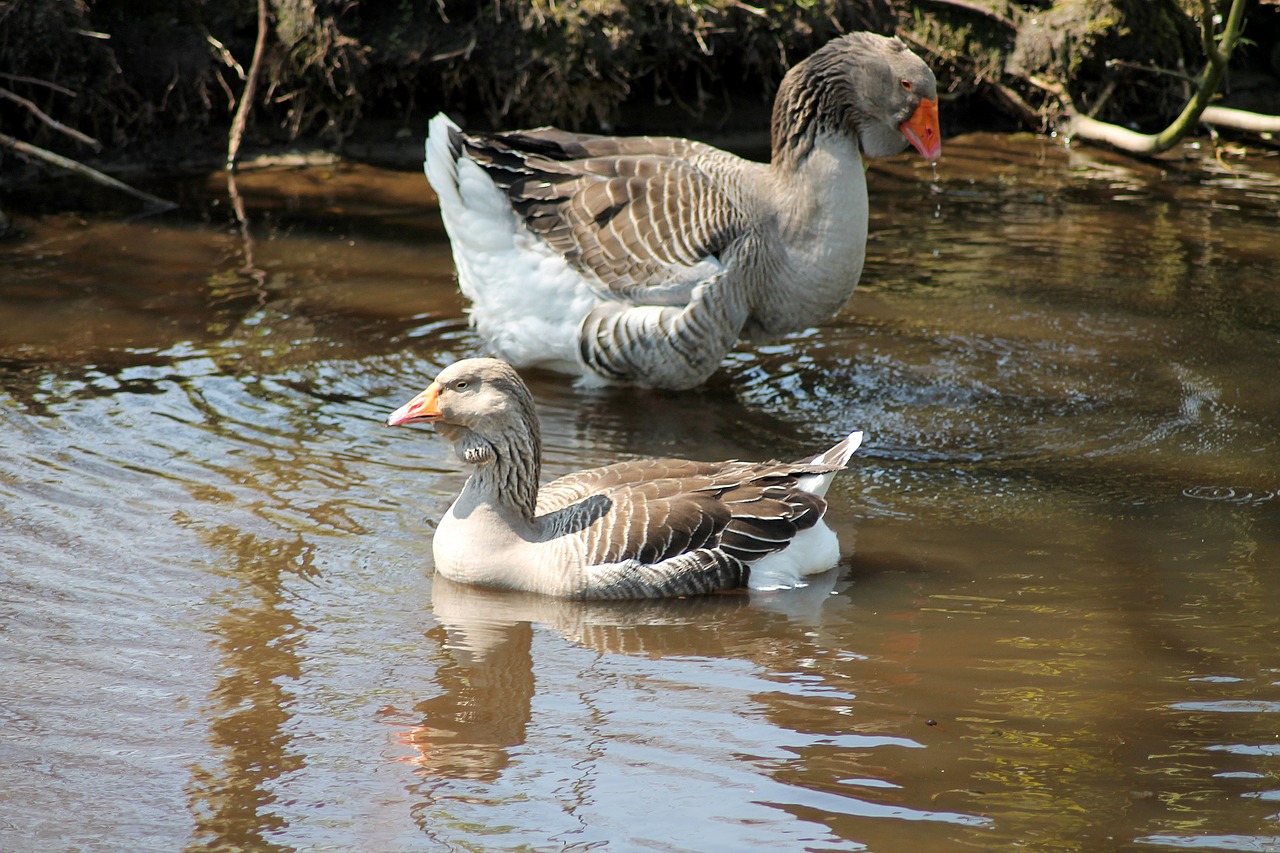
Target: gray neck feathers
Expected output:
[818,96]
[506,457]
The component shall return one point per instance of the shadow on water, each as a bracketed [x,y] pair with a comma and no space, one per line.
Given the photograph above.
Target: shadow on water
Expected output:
[1053,626]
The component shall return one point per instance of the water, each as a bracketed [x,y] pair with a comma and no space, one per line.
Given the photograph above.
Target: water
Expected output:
[1055,627]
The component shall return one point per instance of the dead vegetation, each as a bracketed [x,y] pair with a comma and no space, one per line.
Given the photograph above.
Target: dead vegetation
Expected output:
[170,82]
[123,72]
[1109,70]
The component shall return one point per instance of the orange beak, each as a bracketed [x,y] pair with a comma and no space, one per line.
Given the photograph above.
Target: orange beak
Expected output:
[922,130]
[421,409]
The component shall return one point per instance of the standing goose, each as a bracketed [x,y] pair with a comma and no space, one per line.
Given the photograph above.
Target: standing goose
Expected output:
[650,528]
[644,259]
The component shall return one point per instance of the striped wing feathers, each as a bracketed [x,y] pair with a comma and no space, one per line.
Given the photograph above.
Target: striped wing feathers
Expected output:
[693,573]
[767,516]
[680,473]
[710,518]
[647,216]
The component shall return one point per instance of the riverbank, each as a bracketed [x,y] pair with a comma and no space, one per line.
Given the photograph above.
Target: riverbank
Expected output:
[134,90]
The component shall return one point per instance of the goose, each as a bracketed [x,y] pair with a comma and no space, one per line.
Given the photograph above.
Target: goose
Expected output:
[644,260]
[650,528]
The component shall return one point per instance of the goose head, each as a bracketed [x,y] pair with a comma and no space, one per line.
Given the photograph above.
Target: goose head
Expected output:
[481,405]
[867,86]
[899,101]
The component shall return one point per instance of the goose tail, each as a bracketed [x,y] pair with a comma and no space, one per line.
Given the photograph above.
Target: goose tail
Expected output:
[443,147]
[837,456]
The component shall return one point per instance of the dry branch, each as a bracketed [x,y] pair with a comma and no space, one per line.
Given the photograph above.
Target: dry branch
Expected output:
[1241,120]
[250,89]
[50,120]
[35,81]
[83,170]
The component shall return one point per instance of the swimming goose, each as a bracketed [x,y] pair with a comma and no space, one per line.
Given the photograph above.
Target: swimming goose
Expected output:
[649,528]
[645,259]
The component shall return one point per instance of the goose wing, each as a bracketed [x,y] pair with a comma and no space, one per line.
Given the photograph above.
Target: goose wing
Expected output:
[680,535]
[648,217]
[574,487]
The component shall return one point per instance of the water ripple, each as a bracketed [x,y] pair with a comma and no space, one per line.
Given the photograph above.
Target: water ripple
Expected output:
[1234,843]
[1230,706]
[1228,494]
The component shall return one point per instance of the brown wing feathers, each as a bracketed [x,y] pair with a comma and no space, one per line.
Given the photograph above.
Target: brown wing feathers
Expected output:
[767,515]
[632,211]
[697,540]
[742,511]
[681,474]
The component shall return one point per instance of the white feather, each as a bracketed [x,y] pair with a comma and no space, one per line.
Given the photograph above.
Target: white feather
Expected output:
[526,299]
[814,550]
[818,484]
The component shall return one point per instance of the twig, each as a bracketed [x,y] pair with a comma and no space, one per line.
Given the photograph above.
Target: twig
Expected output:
[35,81]
[1107,91]
[1051,86]
[83,170]
[1150,69]
[50,120]
[464,52]
[755,10]
[225,55]
[250,88]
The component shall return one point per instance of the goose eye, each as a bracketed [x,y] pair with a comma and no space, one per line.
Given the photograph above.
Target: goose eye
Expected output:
[460,384]
[906,84]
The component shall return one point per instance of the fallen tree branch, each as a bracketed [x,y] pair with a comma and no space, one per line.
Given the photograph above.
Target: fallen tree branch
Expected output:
[1217,52]
[1084,127]
[250,90]
[1016,104]
[1241,120]
[83,170]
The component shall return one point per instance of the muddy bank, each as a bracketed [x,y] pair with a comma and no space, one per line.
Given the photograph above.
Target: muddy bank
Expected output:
[153,86]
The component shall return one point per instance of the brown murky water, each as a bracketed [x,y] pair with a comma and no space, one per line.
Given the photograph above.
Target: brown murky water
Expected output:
[1057,626]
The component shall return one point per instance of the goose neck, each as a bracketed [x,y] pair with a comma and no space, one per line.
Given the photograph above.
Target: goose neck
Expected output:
[816,98]
[505,468]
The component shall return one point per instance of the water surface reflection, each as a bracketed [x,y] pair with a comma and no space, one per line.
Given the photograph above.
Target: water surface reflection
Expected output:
[1053,628]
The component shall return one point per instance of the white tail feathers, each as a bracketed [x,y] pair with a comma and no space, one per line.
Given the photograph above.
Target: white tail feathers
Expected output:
[840,455]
